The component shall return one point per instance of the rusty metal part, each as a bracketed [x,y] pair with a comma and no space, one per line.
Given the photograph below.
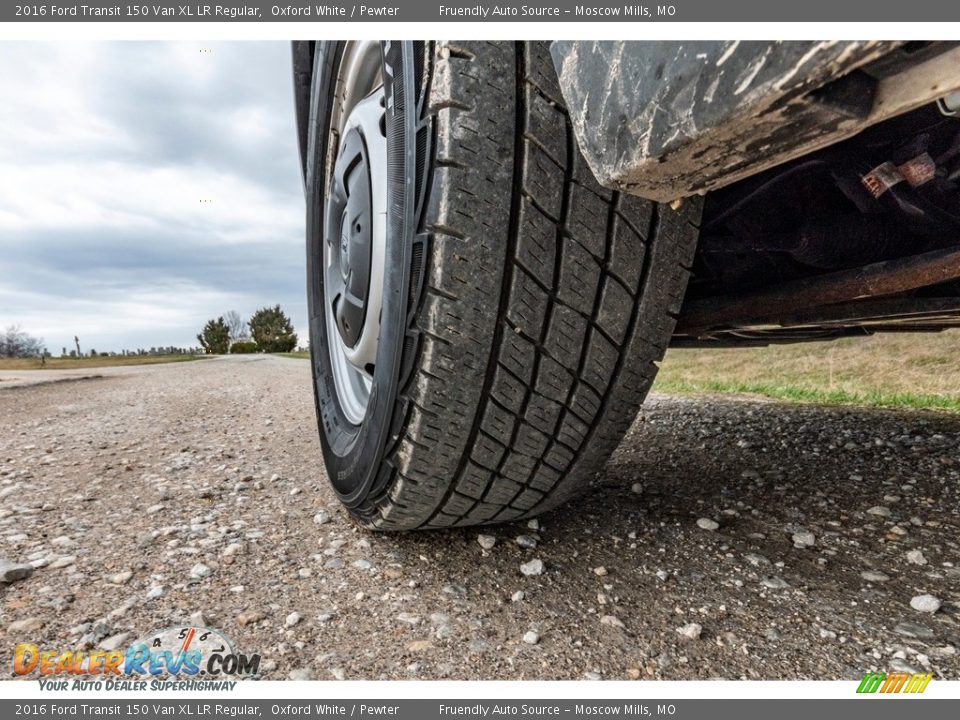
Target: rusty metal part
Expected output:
[916,172]
[768,306]
[853,319]
[919,170]
[882,312]
[787,336]
[882,178]
[665,120]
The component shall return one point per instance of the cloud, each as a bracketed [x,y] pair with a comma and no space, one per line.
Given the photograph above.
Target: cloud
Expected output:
[145,187]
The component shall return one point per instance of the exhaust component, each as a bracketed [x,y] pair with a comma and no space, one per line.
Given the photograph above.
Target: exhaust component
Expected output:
[768,306]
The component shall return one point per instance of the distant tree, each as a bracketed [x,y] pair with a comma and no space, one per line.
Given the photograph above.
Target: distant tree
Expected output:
[272,330]
[215,337]
[242,347]
[236,325]
[14,342]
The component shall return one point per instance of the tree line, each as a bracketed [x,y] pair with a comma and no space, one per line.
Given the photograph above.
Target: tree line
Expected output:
[268,330]
[15,342]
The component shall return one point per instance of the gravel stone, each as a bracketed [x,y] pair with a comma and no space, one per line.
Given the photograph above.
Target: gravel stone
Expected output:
[249,617]
[913,630]
[27,625]
[775,583]
[11,571]
[612,621]
[708,524]
[486,541]
[532,568]
[439,619]
[531,637]
[925,603]
[233,549]
[691,631]
[526,541]
[200,570]
[116,642]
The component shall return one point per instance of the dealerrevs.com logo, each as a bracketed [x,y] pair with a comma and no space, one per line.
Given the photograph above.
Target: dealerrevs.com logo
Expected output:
[197,658]
[898,682]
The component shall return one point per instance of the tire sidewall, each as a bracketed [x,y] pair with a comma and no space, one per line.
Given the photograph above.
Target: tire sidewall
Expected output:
[352,453]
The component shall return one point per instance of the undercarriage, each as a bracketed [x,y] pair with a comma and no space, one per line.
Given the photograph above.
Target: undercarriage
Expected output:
[857,238]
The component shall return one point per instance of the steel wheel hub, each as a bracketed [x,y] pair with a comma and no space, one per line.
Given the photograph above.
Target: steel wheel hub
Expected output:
[355,226]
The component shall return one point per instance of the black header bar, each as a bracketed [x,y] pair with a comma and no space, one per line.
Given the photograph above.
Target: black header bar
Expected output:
[505,11]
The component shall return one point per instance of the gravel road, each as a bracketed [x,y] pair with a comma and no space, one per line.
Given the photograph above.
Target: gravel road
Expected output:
[726,539]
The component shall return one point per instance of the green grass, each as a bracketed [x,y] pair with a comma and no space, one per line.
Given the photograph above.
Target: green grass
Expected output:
[92,362]
[918,371]
[794,393]
[297,354]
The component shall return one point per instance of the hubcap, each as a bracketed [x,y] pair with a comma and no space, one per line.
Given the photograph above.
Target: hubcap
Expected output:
[349,217]
[355,226]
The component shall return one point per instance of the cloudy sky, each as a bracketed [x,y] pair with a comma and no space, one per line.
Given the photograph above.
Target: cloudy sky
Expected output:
[146,187]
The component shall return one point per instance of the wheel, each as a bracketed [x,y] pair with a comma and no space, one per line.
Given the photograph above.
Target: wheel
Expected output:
[485,319]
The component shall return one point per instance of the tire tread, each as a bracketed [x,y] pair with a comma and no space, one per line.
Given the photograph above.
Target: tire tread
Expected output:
[548,302]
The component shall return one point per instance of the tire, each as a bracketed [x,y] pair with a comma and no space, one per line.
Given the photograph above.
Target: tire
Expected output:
[524,306]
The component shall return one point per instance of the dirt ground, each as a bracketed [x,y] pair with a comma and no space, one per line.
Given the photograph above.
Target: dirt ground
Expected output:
[725,539]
